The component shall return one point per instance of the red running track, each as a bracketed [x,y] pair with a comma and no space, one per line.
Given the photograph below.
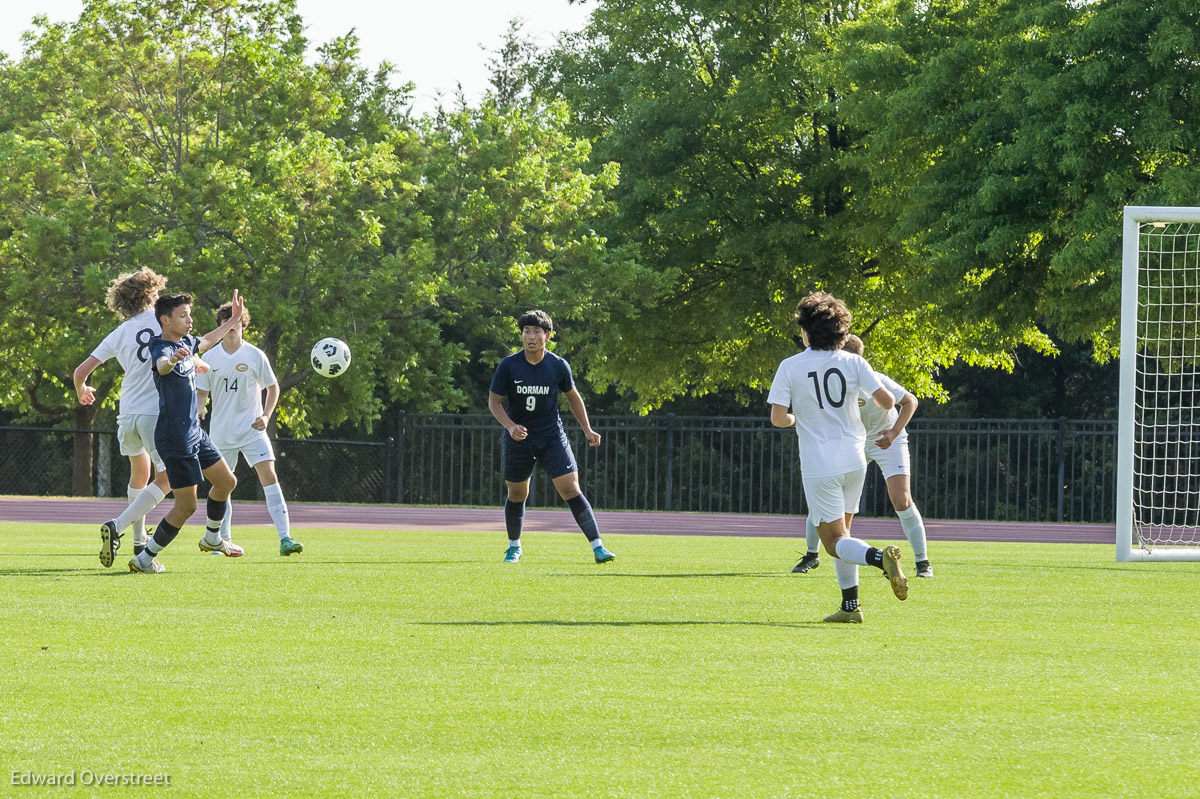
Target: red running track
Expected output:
[392,517]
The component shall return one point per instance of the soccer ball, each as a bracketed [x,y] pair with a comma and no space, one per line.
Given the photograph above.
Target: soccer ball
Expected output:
[330,357]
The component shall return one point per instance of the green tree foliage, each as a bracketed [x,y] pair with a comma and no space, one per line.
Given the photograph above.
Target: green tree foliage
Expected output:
[1002,140]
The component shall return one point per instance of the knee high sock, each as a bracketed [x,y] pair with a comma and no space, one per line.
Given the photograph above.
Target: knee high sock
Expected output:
[215,511]
[163,535]
[138,524]
[143,503]
[277,507]
[585,518]
[227,521]
[514,519]
[914,530]
[855,550]
[811,537]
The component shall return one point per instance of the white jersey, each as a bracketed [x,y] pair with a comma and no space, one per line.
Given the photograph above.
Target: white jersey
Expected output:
[821,387]
[876,419]
[235,383]
[129,343]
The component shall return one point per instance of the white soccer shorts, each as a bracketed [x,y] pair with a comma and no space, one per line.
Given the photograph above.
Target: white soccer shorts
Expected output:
[135,434]
[892,461]
[255,448]
[831,498]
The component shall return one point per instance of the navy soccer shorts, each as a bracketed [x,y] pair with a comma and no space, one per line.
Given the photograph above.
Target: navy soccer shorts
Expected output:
[187,468]
[552,451]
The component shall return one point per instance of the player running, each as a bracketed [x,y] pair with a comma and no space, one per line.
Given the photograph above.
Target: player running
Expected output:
[820,385]
[531,381]
[131,296]
[186,449]
[239,373]
[887,446]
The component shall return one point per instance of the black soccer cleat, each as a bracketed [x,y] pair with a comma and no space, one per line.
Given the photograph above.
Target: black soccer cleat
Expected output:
[110,542]
[807,563]
[924,568]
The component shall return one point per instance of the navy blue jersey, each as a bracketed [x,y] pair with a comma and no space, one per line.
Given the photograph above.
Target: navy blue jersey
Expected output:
[178,428]
[532,390]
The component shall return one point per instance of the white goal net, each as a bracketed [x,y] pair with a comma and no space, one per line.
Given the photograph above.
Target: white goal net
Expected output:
[1158,452]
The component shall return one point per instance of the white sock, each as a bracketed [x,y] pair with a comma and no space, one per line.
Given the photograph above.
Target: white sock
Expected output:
[138,524]
[847,573]
[514,542]
[914,530]
[227,522]
[852,550]
[145,501]
[278,510]
[811,537]
[596,544]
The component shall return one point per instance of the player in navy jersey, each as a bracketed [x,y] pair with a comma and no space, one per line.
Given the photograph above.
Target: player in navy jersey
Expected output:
[530,382]
[184,447]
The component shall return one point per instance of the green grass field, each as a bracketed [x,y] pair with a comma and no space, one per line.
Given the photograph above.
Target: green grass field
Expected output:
[406,664]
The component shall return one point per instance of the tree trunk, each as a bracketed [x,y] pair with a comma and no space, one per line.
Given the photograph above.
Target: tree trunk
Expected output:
[82,472]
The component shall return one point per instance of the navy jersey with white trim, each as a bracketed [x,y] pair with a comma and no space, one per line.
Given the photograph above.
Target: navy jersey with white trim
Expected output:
[531,390]
[178,426]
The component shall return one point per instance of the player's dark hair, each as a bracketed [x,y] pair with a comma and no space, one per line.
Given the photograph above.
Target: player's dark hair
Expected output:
[129,294]
[167,303]
[226,311]
[825,319]
[536,319]
[853,344]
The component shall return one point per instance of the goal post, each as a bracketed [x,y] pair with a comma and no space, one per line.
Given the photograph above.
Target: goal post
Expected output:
[1158,446]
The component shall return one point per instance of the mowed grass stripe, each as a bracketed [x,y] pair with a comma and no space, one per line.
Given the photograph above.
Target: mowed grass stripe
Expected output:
[417,664]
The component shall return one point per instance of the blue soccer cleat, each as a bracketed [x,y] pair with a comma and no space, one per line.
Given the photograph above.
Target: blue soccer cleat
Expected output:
[603,555]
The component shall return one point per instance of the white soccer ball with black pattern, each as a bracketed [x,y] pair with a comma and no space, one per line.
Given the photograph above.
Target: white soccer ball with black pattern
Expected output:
[330,357]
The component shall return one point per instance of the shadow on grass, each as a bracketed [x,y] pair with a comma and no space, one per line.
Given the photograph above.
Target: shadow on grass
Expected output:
[687,575]
[560,623]
[81,572]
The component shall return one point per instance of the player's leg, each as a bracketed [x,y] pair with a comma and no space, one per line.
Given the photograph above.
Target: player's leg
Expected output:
[812,542]
[180,470]
[900,492]
[276,505]
[132,431]
[567,486]
[217,472]
[517,461]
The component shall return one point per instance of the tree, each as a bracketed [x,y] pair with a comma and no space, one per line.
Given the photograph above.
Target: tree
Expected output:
[1003,139]
[739,189]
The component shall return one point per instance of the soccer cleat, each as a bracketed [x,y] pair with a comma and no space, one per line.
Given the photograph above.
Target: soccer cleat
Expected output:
[287,546]
[843,616]
[226,548]
[603,555]
[110,542]
[924,568]
[512,554]
[891,568]
[155,567]
[807,563]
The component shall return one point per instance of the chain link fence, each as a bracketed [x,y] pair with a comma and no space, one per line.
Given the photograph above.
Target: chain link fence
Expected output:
[976,469]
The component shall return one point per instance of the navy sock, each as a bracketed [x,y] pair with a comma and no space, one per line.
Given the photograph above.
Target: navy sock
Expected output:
[850,598]
[164,534]
[584,516]
[875,557]
[215,511]
[514,518]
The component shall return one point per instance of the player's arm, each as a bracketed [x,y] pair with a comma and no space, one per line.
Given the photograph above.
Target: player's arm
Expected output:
[269,404]
[86,394]
[496,406]
[884,398]
[201,402]
[166,363]
[213,337]
[780,417]
[580,413]
[908,406]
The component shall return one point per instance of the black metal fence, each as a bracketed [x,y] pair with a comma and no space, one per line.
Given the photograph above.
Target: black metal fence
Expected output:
[987,469]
